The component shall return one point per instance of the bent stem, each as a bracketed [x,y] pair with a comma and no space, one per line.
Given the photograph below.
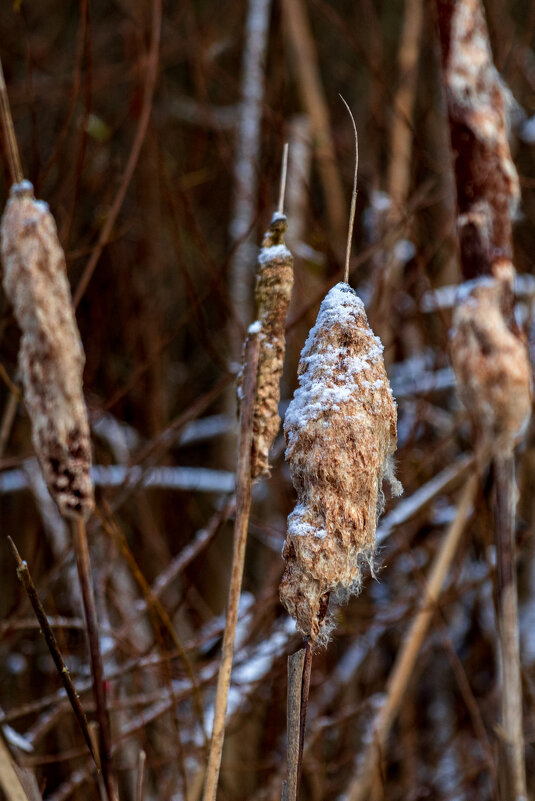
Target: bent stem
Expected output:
[513,773]
[243,505]
[83,564]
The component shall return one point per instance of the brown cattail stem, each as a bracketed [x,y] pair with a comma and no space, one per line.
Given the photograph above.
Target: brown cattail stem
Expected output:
[97,671]
[284,172]
[513,759]
[8,130]
[140,776]
[24,576]
[243,505]
[305,691]
[293,724]
[359,789]
[299,669]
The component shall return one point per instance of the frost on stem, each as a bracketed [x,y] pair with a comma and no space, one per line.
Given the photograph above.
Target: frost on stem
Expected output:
[273,292]
[51,357]
[491,363]
[341,433]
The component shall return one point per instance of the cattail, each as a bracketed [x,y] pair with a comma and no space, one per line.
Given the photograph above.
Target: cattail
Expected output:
[488,190]
[341,433]
[491,364]
[51,357]
[273,293]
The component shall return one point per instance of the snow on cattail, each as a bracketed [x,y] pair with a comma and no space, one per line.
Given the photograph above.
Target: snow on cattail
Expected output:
[51,357]
[341,433]
[273,293]
[488,190]
[491,363]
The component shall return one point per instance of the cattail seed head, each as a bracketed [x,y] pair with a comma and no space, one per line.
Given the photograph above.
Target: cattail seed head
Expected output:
[273,293]
[491,364]
[341,433]
[51,357]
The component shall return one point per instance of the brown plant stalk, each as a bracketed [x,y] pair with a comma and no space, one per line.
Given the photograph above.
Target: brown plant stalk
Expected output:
[24,576]
[243,506]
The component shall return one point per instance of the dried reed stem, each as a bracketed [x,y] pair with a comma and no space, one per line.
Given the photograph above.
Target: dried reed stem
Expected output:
[243,506]
[512,742]
[403,670]
[140,776]
[24,576]
[10,780]
[296,664]
[284,172]
[8,418]
[10,141]
[354,194]
[83,564]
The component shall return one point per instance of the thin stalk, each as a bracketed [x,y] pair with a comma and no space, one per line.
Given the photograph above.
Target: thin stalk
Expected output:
[83,564]
[24,576]
[8,130]
[243,506]
[354,194]
[403,669]
[296,663]
[140,777]
[7,421]
[284,172]
[513,775]
[305,689]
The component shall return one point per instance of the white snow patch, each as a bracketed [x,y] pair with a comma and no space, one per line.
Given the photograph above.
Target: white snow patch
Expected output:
[272,253]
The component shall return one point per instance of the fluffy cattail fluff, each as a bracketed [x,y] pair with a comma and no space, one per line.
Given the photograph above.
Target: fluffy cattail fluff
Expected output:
[341,433]
[491,364]
[51,357]
[273,292]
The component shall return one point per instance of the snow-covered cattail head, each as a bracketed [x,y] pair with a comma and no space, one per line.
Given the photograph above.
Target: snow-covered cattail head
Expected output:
[341,433]
[51,357]
[274,282]
[491,363]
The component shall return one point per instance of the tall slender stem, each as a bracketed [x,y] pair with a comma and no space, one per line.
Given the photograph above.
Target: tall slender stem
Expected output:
[513,775]
[8,129]
[97,671]
[243,506]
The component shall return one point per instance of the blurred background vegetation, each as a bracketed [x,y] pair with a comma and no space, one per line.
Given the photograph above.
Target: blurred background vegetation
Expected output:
[161,326]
